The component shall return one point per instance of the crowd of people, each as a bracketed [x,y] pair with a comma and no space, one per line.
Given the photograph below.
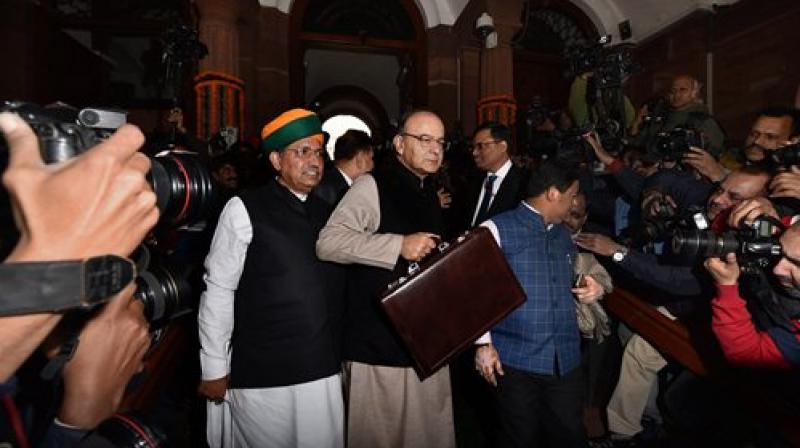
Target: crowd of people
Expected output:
[294,350]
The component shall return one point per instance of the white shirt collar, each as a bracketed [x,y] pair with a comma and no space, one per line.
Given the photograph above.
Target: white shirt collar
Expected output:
[301,196]
[346,177]
[549,226]
[502,172]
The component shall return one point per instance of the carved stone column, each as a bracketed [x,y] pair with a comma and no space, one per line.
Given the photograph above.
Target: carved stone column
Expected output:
[219,32]
[219,91]
[497,64]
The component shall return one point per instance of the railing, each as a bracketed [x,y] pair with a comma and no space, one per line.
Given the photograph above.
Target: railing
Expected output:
[765,399]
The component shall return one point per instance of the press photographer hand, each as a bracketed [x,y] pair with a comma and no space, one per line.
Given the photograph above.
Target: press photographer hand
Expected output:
[599,244]
[786,184]
[95,204]
[724,272]
[109,353]
[747,212]
[705,164]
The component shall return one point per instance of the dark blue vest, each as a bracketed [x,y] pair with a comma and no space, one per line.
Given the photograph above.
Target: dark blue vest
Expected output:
[542,335]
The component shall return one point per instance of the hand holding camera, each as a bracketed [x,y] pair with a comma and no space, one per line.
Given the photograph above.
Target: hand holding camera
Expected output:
[98,204]
[110,352]
[746,213]
[725,271]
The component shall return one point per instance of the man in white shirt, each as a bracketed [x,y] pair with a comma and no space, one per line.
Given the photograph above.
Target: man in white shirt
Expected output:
[279,370]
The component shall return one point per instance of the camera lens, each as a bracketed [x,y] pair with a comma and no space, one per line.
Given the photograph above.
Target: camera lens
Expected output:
[182,185]
[163,291]
[130,429]
[705,244]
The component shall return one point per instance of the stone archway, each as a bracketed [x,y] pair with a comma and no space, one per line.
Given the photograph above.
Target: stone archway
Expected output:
[361,27]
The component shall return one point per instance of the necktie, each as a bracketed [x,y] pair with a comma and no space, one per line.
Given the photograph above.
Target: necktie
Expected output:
[488,191]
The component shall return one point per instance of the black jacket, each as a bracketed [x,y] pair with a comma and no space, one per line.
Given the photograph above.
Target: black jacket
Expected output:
[510,193]
[332,187]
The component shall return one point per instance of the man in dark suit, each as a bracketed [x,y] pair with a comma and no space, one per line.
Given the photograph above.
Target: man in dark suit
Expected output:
[502,186]
[352,157]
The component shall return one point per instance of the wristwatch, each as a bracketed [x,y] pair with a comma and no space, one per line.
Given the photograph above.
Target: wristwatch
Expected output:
[619,255]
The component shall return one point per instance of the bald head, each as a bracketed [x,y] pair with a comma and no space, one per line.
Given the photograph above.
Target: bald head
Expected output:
[421,142]
[684,92]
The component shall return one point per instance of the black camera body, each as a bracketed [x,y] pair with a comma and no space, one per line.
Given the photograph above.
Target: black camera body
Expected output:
[182,185]
[756,246]
[611,64]
[787,156]
[64,133]
[539,112]
[674,144]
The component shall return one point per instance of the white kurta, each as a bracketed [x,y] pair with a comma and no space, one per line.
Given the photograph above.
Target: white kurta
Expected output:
[302,415]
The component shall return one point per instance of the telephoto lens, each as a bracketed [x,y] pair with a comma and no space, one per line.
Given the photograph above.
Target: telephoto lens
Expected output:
[164,290]
[182,185]
[703,243]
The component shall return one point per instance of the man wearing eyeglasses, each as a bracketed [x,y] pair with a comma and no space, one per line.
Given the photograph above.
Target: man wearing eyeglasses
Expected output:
[279,371]
[501,188]
[385,221]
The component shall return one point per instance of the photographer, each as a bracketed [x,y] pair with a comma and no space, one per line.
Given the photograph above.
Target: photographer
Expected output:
[770,338]
[95,204]
[774,126]
[679,284]
[686,111]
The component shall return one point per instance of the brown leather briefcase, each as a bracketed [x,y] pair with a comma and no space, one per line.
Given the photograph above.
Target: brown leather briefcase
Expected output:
[454,297]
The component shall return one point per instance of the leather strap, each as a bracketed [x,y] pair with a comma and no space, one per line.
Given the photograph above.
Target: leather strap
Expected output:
[43,287]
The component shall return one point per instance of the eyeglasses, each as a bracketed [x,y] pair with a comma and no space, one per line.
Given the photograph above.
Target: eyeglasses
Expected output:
[480,146]
[305,152]
[427,141]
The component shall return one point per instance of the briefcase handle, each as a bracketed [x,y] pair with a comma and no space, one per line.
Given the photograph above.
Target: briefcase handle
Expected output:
[414,267]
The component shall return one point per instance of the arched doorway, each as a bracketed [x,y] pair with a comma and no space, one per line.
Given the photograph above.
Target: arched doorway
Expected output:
[357,102]
[377,45]
[549,26]
[337,125]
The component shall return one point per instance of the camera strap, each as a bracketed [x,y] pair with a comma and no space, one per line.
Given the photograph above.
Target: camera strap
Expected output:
[45,287]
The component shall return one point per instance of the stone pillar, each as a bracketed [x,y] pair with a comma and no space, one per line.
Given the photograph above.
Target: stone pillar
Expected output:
[218,30]
[497,64]
[219,91]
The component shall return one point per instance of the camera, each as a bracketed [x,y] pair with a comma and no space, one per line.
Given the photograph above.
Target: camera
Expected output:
[756,245]
[664,220]
[163,289]
[657,111]
[611,64]
[182,185]
[539,112]
[786,156]
[673,145]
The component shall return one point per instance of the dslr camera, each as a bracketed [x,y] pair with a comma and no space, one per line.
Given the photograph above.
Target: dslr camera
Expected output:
[673,145]
[756,246]
[786,156]
[611,64]
[182,185]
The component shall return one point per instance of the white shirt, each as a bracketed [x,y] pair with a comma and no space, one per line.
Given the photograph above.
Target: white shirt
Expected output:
[224,265]
[501,174]
[346,177]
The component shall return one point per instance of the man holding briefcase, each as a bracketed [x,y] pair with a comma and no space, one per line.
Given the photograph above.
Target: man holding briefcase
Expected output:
[386,220]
